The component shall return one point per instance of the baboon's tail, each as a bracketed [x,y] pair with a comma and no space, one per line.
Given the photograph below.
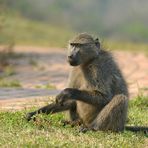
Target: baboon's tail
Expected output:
[137,129]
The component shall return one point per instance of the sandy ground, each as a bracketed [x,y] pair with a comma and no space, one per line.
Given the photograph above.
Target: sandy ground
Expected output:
[39,67]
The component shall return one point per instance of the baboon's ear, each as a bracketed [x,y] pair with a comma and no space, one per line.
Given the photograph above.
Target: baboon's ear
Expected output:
[97,43]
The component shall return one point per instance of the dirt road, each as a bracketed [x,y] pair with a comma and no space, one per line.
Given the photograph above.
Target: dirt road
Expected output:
[40,68]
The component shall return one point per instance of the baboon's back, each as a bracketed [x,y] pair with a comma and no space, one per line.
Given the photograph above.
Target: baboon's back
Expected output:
[114,77]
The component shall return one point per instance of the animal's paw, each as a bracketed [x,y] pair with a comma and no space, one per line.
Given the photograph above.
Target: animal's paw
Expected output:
[83,129]
[64,96]
[30,116]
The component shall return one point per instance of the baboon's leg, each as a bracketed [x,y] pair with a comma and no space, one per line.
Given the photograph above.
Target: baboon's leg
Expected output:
[113,115]
[93,98]
[73,112]
[51,108]
[74,117]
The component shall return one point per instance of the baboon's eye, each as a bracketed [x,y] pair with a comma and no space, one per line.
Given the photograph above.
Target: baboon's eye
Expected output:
[76,44]
[79,45]
[72,44]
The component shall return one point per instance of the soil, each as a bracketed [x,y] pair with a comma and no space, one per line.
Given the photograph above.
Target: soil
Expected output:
[41,68]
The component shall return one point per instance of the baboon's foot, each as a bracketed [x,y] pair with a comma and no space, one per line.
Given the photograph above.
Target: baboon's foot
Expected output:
[72,123]
[83,129]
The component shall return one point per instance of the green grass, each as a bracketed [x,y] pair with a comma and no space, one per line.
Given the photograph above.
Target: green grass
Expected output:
[46,86]
[18,30]
[22,31]
[126,46]
[47,131]
[9,83]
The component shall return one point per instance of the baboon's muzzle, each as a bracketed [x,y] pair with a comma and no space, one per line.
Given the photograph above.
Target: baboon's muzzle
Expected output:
[72,61]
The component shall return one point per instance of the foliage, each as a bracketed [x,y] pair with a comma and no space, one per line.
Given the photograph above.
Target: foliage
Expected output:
[114,19]
[23,31]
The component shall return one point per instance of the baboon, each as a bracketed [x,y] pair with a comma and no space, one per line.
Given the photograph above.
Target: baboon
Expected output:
[97,94]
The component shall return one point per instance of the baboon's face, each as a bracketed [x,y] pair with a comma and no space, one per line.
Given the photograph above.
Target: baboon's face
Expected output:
[81,52]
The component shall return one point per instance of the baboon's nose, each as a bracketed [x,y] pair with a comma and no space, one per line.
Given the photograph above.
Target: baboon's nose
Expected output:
[70,57]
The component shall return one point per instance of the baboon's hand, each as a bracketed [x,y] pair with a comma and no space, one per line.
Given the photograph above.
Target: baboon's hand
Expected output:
[29,116]
[65,95]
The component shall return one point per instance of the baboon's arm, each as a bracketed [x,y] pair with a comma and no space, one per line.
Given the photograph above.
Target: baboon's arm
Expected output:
[94,97]
[98,91]
[51,108]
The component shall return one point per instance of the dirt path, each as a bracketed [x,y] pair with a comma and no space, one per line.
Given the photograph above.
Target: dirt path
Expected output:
[46,67]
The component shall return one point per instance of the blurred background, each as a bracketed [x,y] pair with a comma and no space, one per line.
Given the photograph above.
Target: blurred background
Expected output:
[53,22]
[34,34]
